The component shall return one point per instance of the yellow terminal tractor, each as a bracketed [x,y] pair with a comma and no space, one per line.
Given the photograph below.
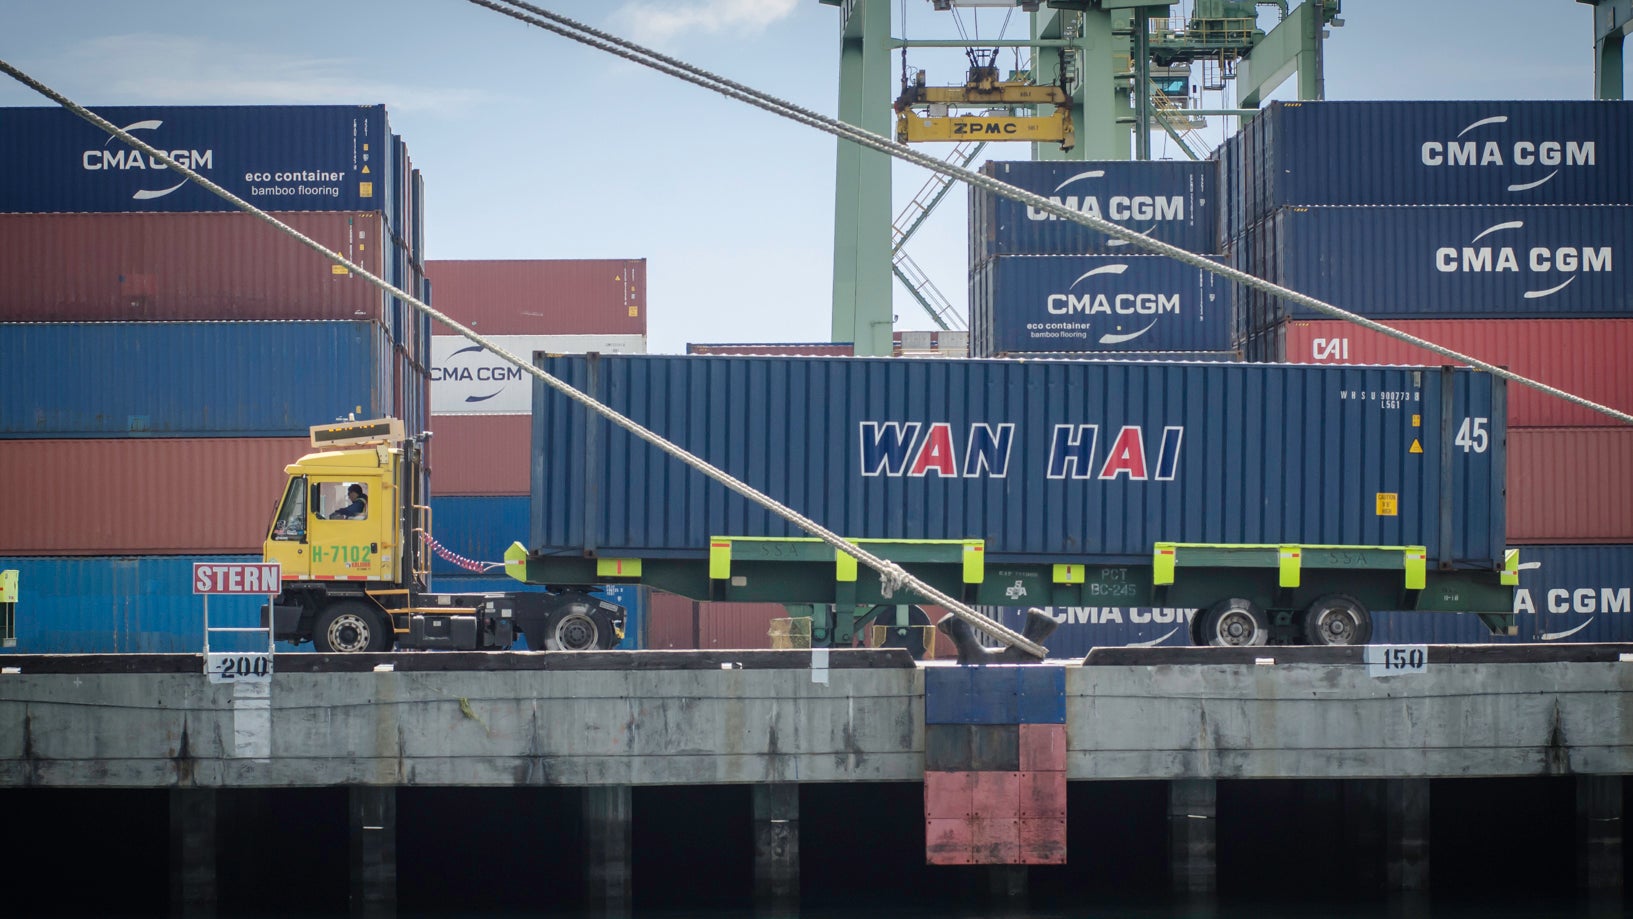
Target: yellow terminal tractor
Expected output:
[353,536]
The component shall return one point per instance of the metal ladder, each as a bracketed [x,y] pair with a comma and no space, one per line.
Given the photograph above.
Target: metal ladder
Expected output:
[908,222]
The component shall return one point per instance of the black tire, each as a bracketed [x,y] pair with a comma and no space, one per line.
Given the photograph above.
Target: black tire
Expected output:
[1193,626]
[1336,619]
[578,623]
[1235,623]
[351,626]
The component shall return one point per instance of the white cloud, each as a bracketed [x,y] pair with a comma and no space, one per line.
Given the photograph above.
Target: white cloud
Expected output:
[156,68]
[654,23]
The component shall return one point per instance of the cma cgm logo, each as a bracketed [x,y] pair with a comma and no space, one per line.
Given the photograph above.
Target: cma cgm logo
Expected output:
[1493,257]
[1152,209]
[914,449]
[1474,147]
[497,374]
[1092,302]
[121,158]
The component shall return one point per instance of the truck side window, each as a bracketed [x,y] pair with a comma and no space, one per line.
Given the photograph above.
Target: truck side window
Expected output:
[342,500]
[290,524]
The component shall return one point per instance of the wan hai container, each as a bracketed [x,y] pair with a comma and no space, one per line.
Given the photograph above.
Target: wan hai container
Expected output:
[1046,461]
[1171,202]
[1349,153]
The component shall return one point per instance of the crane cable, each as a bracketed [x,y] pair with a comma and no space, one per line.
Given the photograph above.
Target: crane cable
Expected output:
[892,575]
[603,41]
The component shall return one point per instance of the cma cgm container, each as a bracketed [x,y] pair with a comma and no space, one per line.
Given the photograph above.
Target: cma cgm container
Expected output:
[1587,357]
[1566,593]
[1443,262]
[543,296]
[147,496]
[190,379]
[1570,485]
[468,379]
[780,349]
[1090,303]
[113,267]
[1171,202]
[1044,460]
[1535,152]
[277,157]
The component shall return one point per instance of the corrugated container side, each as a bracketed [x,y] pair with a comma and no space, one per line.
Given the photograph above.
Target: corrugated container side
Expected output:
[542,296]
[183,267]
[125,605]
[1456,152]
[1586,357]
[1168,201]
[468,379]
[678,623]
[1096,303]
[782,349]
[1443,262]
[1159,357]
[1041,459]
[278,157]
[1572,593]
[1570,485]
[158,496]
[481,455]
[171,379]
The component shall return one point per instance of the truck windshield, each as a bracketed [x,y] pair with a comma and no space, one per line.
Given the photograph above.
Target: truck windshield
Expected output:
[290,524]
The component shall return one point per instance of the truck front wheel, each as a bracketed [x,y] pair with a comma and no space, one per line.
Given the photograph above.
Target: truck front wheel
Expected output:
[348,627]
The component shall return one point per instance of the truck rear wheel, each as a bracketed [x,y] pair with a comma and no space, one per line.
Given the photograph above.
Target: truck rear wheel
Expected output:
[348,627]
[578,624]
[1336,619]
[1235,623]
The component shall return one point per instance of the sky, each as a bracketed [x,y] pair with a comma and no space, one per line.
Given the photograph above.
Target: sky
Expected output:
[533,146]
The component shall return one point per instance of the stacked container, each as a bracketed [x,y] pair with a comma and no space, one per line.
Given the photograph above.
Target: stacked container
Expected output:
[1044,286]
[1496,229]
[162,355]
[481,405]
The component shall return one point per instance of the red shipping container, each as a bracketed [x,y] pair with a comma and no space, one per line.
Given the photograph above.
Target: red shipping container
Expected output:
[542,296]
[949,842]
[1585,357]
[133,496]
[1043,841]
[949,795]
[681,624]
[1570,485]
[481,454]
[185,267]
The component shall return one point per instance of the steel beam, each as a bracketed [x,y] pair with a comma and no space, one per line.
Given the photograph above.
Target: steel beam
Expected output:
[1292,46]
[1612,21]
[862,310]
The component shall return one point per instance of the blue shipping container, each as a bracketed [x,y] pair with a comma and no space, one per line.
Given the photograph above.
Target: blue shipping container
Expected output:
[480,528]
[1566,593]
[190,379]
[1442,262]
[1486,152]
[139,604]
[1171,202]
[277,157]
[1096,303]
[1044,460]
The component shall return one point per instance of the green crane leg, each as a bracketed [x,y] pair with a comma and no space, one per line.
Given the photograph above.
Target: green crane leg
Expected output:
[1612,20]
[1293,45]
[862,292]
[1097,103]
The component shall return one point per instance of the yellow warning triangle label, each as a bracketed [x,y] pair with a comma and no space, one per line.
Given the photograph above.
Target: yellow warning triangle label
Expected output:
[365,169]
[1416,447]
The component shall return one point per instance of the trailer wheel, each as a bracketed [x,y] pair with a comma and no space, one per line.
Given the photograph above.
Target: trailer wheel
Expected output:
[577,624]
[911,636]
[1235,623]
[1336,619]
[349,627]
